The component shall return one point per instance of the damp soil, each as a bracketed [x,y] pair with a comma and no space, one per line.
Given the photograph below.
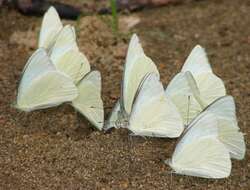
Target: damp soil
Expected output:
[58,149]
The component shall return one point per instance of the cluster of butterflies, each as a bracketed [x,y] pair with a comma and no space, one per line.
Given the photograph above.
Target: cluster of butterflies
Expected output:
[193,107]
[58,72]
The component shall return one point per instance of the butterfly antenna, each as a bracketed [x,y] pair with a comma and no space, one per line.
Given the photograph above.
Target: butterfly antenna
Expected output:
[93,107]
[108,107]
[188,110]
[131,150]
[15,119]
[78,119]
[171,179]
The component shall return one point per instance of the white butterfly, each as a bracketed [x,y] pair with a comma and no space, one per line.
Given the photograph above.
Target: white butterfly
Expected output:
[137,66]
[224,110]
[200,152]
[67,59]
[60,43]
[143,107]
[43,86]
[196,86]
[153,114]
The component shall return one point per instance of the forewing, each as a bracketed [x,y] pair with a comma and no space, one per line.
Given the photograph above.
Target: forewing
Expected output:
[38,63]
[197,62]
[205,157]
[211,87]
[153,113]
[132,78]
[199,152]
[42,86]
[204,125]
[51,26]
[224,109]
[135,50]
[74,64]
[49,89]
[184,93]
[136,67]
[65,41]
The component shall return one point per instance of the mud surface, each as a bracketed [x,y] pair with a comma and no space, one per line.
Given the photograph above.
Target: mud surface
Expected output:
[58,149]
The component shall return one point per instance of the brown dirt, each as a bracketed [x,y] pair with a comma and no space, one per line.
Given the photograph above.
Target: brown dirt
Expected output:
[52,149]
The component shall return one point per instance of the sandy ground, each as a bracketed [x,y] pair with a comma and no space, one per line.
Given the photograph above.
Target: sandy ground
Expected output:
[58,149]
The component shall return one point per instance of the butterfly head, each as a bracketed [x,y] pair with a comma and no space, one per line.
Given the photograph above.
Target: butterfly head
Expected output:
[123,120]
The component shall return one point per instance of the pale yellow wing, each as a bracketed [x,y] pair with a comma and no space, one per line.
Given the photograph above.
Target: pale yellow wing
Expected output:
[89,102]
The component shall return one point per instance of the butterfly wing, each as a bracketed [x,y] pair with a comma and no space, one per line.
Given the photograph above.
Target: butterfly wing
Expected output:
[153,113]
[134,50]
[89,102]
[184,93]
[51,26]
[199,152]
[74,64]
[210,86]
[42,86]
[65,41]
[204,125]
[224,110]
[233,140]
[197,62]
[136,67]
[206,157]
[34,66]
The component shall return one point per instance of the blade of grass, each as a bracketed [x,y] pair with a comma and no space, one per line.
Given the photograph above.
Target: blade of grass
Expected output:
[114,15]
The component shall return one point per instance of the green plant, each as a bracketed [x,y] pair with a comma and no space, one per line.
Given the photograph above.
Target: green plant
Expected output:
[113,6]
